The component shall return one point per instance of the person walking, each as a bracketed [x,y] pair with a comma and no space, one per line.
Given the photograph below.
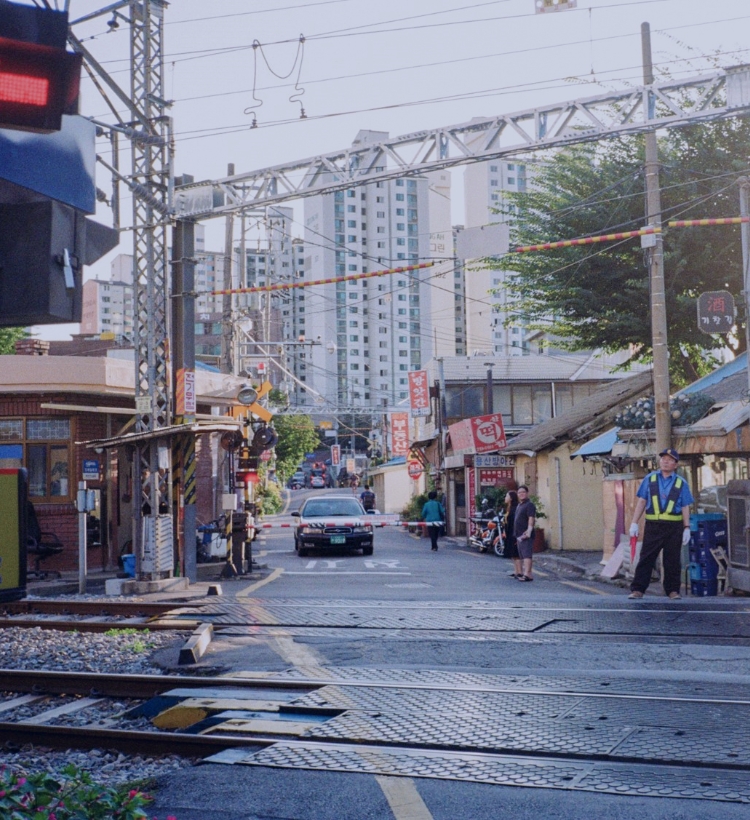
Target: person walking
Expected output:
[523,530]
[511,548]
[433,513]
[666,498]
[367,497]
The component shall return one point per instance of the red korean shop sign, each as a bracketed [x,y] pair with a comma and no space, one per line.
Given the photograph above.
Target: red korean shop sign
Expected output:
[488,433]
[419,393]
[400,434]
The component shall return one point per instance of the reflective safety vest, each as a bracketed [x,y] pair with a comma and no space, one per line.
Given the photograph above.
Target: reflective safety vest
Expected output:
[674,494]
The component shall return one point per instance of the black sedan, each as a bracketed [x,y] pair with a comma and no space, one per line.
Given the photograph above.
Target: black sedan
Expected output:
[333,521]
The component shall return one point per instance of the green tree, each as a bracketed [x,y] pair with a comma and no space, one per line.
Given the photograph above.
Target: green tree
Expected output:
[8,338]
[597,296]
[297,436]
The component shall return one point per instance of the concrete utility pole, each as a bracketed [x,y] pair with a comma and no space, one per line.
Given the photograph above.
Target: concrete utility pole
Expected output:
[227,329]
[658,299]
[744,184]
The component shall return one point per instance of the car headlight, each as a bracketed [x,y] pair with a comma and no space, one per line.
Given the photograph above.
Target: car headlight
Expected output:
[310,530]
[363,528]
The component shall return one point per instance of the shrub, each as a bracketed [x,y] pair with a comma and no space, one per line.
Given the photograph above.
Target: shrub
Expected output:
[73,795]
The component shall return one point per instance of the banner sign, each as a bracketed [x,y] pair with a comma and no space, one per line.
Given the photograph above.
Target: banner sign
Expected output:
[399,434]
[494,461]
[494,477]
[419,393]
[471,501]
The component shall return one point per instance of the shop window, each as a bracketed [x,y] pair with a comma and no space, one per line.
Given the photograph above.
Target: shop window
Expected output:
[43,447]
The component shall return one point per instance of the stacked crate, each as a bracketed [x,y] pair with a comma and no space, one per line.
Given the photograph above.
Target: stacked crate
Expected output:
[709,540]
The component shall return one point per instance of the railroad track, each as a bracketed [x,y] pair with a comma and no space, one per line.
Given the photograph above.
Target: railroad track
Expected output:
[595,734]
[96,616]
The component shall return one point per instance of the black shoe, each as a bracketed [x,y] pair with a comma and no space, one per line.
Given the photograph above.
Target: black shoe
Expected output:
[434,549]
[524,578]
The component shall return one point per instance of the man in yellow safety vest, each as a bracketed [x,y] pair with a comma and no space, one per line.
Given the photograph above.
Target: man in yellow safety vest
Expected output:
[666,498]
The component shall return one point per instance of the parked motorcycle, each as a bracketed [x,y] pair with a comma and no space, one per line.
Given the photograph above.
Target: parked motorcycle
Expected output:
[490,536]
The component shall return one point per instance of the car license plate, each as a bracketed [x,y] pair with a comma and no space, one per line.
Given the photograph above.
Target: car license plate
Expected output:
[338,539]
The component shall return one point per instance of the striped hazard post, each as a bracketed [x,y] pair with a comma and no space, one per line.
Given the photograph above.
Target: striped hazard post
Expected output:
[188,468]
[699,223]
[587,240]
[347,278]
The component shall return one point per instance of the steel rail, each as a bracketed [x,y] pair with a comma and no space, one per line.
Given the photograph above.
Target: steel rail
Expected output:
[130,686]
[96,626]
[55,606]
[136,742]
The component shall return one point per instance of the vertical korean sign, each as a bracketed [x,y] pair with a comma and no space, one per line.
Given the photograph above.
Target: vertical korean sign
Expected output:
[399,434]
[471,498]
[419,393]
[335,455]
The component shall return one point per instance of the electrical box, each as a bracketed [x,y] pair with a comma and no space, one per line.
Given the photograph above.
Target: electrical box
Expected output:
[738,519]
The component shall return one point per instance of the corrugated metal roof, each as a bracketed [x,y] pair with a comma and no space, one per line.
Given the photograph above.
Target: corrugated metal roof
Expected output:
[718,375]
[523,368]
[600,446]
[584,418]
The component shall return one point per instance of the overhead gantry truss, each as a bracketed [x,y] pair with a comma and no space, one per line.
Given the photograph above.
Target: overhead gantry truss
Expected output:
[719,95]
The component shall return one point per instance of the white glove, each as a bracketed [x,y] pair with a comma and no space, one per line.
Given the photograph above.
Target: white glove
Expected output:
[633,530]
[686,536]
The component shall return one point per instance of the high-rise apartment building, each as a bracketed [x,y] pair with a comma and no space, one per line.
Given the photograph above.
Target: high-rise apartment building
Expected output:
[486,189]
[368,333]
[108,303]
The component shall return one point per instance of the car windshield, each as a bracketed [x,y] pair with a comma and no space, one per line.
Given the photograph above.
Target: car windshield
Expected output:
[324,507]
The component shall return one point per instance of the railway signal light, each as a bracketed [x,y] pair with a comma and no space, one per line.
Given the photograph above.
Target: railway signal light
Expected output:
[39,79]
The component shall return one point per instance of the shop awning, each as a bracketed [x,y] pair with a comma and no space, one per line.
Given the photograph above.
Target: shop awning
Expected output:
[173,430]
[600,446]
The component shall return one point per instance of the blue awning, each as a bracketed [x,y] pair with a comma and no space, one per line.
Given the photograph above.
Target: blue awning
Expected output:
[600,446]
[718,375]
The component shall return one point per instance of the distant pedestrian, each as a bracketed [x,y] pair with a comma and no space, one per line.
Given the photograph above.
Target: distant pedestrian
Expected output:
[367,497]
[666,498]
[523,529]
[511,548]
[433,513]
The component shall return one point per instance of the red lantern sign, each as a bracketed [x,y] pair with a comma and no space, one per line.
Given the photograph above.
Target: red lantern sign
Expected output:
[415,469]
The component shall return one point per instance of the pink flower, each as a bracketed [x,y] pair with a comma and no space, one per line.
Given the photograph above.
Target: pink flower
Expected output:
[132,793]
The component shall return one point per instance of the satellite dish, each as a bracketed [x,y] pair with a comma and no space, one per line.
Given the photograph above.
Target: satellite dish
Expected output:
[231,440]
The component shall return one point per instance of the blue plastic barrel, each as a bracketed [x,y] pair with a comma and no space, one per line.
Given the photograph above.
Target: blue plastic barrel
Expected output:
[128,564]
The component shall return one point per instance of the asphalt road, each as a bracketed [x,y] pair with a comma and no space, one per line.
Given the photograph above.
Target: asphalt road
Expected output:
[453,617]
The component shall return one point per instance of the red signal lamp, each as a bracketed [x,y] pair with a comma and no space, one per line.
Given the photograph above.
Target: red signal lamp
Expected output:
[248,477]
[38,84]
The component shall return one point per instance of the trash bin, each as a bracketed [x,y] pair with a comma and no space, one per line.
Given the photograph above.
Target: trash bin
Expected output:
[13,516]
[128,564]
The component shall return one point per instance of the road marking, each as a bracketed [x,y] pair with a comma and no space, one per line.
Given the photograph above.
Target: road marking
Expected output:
[244,593]
[403,798]
[466,552]
[342,572]
[296,653]
[585,588]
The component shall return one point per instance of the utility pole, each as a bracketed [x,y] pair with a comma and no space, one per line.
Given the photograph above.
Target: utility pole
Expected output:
[744,183]
[658,299]
[227,335]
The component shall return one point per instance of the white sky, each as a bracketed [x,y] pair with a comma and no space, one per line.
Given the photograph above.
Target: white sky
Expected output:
[366,66]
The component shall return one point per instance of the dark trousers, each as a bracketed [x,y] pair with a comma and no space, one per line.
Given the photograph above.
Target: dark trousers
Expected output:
[434,530]
[658,536]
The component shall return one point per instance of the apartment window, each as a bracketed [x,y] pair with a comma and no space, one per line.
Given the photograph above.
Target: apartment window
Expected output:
[43,446]
[512,167]
[382,344]
[400,226]
[494,197]
[381,214]
[400,240]
[382,330]
[380,229]
[400,197]
[354,323]
[400,256]
[353,267]
[568,395]
[511,180]
[351,193]
[354,338]
[402,297]
[400,183]
[493,183]
[352,223]
[400,211]
[403,339]
[380,198]
[493,169]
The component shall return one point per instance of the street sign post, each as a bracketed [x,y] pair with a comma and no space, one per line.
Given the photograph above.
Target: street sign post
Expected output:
[716,312]
[415,469]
